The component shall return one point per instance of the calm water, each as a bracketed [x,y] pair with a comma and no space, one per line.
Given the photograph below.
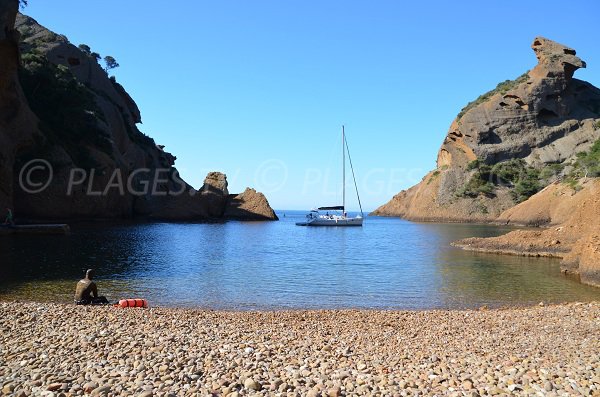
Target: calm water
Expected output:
[389,263]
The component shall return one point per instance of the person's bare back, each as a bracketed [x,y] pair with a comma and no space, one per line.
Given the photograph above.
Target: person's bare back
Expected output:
[86,292]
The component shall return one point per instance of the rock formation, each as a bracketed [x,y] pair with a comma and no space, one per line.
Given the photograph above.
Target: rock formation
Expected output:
[215,194]
[250,205]
[573,230]
[58,104]
[543,118]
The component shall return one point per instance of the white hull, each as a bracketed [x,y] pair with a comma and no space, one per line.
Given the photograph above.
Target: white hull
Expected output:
[332,221]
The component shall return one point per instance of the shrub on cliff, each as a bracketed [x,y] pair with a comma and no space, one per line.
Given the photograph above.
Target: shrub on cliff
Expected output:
[480,182]
[477,186]
[528,184]
[67,110]
[587,164]
[523,180]
[502,88]
[85,48]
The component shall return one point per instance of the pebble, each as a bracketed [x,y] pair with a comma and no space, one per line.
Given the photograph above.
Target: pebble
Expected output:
[54,386]
[101,391]
[251,384]
[169,352]
[89,387]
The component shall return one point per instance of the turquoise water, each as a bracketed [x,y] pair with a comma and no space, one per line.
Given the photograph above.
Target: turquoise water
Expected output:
[388,263]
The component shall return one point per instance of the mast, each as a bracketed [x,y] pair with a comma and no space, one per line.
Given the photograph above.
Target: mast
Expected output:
[343,170]
[353,176]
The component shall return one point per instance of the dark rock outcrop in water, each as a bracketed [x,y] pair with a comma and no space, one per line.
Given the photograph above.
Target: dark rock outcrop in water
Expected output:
[508,144]
[58,104]
[249,205]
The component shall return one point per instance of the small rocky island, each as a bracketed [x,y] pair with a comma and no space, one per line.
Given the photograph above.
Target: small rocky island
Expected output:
[57,103]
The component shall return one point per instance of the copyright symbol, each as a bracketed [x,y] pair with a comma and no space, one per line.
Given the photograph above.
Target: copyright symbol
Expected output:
[35,176]
[271,175]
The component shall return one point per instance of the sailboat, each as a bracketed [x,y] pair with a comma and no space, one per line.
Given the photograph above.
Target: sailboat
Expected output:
[337,215]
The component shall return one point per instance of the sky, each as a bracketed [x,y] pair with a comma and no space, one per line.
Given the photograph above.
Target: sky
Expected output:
[260,89]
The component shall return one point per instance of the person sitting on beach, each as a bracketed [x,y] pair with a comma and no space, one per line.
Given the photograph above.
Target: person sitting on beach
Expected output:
[86,292]
[9,218]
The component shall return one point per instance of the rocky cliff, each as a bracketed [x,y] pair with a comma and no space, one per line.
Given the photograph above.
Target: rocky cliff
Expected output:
[57,104]
[509,143]
[18,125]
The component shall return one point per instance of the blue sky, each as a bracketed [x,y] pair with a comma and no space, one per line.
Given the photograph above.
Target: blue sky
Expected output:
[259,89]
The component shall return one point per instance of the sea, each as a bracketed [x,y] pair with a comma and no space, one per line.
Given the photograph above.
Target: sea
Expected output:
[389,263]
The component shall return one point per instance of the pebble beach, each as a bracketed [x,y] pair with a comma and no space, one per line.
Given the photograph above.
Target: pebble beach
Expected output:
[65,350]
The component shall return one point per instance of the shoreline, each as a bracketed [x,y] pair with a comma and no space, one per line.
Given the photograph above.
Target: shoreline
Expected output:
[469,245]
[315,310]
[103,351]
[307,309]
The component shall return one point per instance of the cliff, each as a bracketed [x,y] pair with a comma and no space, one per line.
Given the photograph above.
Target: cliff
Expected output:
[18,124]
[65,123]
[509,143]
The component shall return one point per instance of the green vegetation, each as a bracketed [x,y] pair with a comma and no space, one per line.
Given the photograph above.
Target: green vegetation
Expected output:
[551,172]
[111,63]
[524,180]
[502,88]
[527,185]
[480,183]
[476,186]
[475,164]
[26,32]
[587,164]
[68,110]
[573,183]
[482,208]
[597,125]
[68,113]
[433,176]
[85,48]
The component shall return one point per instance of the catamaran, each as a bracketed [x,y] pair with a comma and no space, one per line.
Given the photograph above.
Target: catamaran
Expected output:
[337,215]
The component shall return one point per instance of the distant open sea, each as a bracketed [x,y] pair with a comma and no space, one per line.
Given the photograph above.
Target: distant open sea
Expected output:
[389,263]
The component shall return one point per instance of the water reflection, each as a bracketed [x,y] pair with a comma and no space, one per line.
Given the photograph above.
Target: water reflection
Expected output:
[389,263]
